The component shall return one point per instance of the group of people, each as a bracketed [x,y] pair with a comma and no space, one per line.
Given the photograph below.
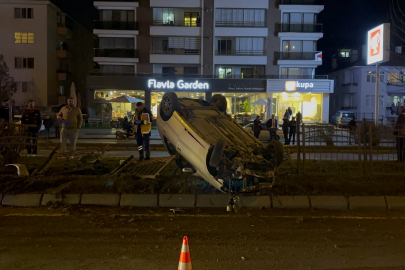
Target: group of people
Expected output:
[289,126]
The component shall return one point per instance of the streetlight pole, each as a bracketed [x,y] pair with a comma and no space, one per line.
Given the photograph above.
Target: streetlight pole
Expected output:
[377,93]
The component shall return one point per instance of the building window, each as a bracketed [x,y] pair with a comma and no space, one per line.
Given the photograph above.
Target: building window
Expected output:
[297,73]
[299,18]
[368,100]
[345,54]
[21,62]
[240,17]
[23,37]
[299,46]
[191,70]
[395,77]
[61,90]
[382,75]
[240,46]
[381,101]
[23,86]
[24,13]
[371,77]
[117,15]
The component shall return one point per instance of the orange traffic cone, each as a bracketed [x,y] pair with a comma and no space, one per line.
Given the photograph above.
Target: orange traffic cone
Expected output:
[185,259]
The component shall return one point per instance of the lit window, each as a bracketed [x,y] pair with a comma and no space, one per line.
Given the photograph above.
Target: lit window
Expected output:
[23,37]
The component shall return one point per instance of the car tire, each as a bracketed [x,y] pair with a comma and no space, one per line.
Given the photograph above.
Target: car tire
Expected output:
[220,102]
[217,152]
[169,104]
[276,150]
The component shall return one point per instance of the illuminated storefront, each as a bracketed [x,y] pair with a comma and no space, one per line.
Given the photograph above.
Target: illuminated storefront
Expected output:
[310,97]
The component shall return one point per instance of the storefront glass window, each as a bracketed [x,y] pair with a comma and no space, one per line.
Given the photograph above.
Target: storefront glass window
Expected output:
[156,98]
[310,105]
[241,103]
[120,110]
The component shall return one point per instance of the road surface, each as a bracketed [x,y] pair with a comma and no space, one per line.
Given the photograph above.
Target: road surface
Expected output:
[112,238]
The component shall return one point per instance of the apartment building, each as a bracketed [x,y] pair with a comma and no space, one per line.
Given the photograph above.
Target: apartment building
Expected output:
[45,51]
[355,84]
[244,50]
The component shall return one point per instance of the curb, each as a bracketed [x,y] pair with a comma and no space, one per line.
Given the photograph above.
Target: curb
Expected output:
[210,201]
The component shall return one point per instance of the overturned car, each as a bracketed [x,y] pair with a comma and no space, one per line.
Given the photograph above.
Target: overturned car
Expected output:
[210,144]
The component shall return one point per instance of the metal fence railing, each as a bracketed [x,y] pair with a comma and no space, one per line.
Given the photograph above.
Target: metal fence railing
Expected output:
[241,52]
[240,24]
[175,23]
[366,144]
[297,55]
[302,28]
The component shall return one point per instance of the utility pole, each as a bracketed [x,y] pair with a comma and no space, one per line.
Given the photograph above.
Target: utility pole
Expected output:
[377,92]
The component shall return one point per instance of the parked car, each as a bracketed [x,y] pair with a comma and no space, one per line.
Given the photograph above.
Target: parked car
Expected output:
[209,143]
[264,133]
[342,118]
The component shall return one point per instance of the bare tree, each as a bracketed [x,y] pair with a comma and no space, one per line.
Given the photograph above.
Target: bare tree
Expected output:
[397,16]
[7,84]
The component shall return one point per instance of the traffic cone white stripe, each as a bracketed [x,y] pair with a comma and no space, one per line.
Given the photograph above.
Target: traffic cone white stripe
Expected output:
[185,248]
[184,266]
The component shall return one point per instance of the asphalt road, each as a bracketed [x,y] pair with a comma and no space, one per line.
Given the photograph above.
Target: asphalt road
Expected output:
[111,238]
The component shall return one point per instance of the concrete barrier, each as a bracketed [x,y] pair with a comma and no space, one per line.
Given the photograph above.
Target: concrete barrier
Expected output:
[367,202]
[256,201]
[212,200]
[177,200]
[295,202]
[396,202]
[71,198]
[139,200]
[101,199]
[51,198]
[328,202]
[22,200]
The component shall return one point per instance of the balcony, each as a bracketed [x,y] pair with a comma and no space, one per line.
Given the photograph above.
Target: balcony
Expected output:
[62,75]
[301,28]
[178,51]
[241,52]
[240,24]
[65,29]
[298,56]
[216,76]
[176,3]
[300,2]
[176,28]
[62,54]
[115,25]
[102,4]
[116,53]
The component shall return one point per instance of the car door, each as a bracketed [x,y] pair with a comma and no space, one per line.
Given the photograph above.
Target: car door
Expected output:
[264,133]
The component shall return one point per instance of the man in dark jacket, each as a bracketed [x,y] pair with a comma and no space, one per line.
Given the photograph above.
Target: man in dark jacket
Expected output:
[293,130]
[272,127]
[47,124]
[286,126]
[4,111]
[257,127]
[31,116]
[143,124]
[290,113]
[352,130]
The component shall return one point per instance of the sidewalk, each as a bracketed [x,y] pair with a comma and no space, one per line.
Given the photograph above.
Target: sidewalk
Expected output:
[100,133]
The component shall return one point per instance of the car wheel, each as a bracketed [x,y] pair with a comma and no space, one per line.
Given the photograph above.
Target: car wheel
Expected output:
[169,104]
[220,102]
[217,153]
[180,162]
[276,150]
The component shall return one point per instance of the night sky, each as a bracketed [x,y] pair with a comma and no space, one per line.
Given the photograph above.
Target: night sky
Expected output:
[345,21]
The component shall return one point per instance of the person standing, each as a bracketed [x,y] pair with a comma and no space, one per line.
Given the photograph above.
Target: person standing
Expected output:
[71,118]
[143,124]
[399,133]
[293,130]
[257,127]
[286,114]
[47,123]
[290,113]
[272,127]
[352,130]
[32,116]
[286,126]
[4,111]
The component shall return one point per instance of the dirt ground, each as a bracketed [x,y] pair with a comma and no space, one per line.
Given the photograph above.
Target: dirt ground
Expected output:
[123,238]
[320,178]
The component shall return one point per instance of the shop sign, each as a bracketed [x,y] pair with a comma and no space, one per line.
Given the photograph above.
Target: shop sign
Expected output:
[378,44]
[245,86]
[291,86]
[180,84]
